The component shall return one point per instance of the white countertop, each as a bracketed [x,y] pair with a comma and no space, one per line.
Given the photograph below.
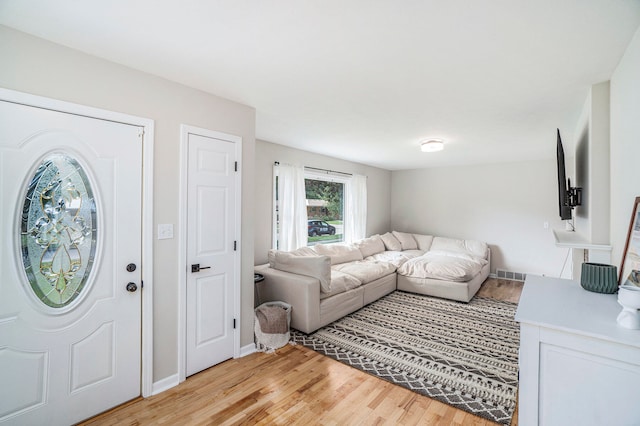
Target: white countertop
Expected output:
[564,305]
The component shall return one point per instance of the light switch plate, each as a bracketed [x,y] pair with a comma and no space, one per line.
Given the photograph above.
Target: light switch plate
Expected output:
[165,231]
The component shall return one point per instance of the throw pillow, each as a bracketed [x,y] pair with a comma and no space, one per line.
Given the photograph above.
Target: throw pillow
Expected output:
[302,251]
[318,267]
[391,242]
[339,253]
[370,246]
[424,241]
[406,240]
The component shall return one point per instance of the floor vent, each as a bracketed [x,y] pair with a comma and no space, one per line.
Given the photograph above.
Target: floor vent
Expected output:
[510,275]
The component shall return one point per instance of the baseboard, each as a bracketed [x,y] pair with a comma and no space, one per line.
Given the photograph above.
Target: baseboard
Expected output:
[247,350]
[174,380]
[165,384]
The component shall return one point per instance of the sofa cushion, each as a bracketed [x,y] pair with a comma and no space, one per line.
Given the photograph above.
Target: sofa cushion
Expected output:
[302,251]
[406,240]
[391,243]
[477,248]
[396,258]
[370,246]
[366,271]
[318,267]
[340,282]
[339,253]
[424,241]
[458,255]
[410,254]
[442,267]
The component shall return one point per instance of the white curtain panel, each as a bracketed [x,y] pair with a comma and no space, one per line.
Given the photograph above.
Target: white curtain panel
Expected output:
[292,207]
[355,209]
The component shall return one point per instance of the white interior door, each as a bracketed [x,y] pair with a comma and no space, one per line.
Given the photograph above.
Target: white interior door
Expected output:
[212,250]
[70,224]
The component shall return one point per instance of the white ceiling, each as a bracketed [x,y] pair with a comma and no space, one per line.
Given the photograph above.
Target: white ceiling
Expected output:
[367,80]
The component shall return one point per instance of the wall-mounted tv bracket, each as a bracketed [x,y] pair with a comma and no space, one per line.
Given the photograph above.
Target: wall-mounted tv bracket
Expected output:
[574,196]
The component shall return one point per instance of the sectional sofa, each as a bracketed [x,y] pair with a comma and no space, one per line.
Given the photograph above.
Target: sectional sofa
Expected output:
[328,281]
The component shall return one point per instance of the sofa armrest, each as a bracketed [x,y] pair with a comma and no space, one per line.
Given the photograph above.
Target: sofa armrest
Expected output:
[300,291]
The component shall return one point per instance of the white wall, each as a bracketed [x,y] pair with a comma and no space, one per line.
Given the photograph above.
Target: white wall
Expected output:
[592,166]
[581,167]
[505,205]
[32,65]
[378,189]
[625,144]
[599,163]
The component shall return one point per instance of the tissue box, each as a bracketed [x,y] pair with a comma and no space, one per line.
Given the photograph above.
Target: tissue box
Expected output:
[599,278]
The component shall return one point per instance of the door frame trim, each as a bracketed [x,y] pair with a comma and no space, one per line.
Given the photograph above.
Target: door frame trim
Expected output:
[147,124]
[185,131]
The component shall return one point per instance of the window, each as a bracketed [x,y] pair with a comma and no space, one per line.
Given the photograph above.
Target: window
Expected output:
[325,208]
[58,230]
[324,201]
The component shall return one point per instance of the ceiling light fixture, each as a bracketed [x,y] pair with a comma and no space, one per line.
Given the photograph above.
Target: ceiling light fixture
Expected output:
[432,145]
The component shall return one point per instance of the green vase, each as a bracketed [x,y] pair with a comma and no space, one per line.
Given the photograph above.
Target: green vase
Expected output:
[599,278]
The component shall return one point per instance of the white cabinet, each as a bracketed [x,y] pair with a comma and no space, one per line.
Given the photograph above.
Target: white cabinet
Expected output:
[577,366]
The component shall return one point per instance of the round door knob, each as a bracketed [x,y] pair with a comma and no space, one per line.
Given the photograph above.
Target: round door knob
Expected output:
[132,287]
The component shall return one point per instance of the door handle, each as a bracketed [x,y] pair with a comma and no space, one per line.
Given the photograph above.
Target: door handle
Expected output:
[197,268]
[131,287]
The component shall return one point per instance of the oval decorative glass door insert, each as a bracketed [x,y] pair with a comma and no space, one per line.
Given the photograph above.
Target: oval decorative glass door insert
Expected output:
[58,230]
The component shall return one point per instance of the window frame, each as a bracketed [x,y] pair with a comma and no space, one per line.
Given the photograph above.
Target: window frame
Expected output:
[326,176]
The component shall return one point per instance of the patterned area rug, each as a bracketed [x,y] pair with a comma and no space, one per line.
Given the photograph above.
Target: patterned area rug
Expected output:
[465,355]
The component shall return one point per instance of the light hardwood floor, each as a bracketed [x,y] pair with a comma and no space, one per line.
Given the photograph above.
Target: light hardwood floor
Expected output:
[295,386]
[501,289]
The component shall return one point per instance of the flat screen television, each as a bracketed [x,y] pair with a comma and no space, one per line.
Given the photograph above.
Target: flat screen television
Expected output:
[568,196]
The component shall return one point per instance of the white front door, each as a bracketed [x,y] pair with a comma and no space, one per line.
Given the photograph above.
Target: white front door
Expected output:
[70,262]
[212,249]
